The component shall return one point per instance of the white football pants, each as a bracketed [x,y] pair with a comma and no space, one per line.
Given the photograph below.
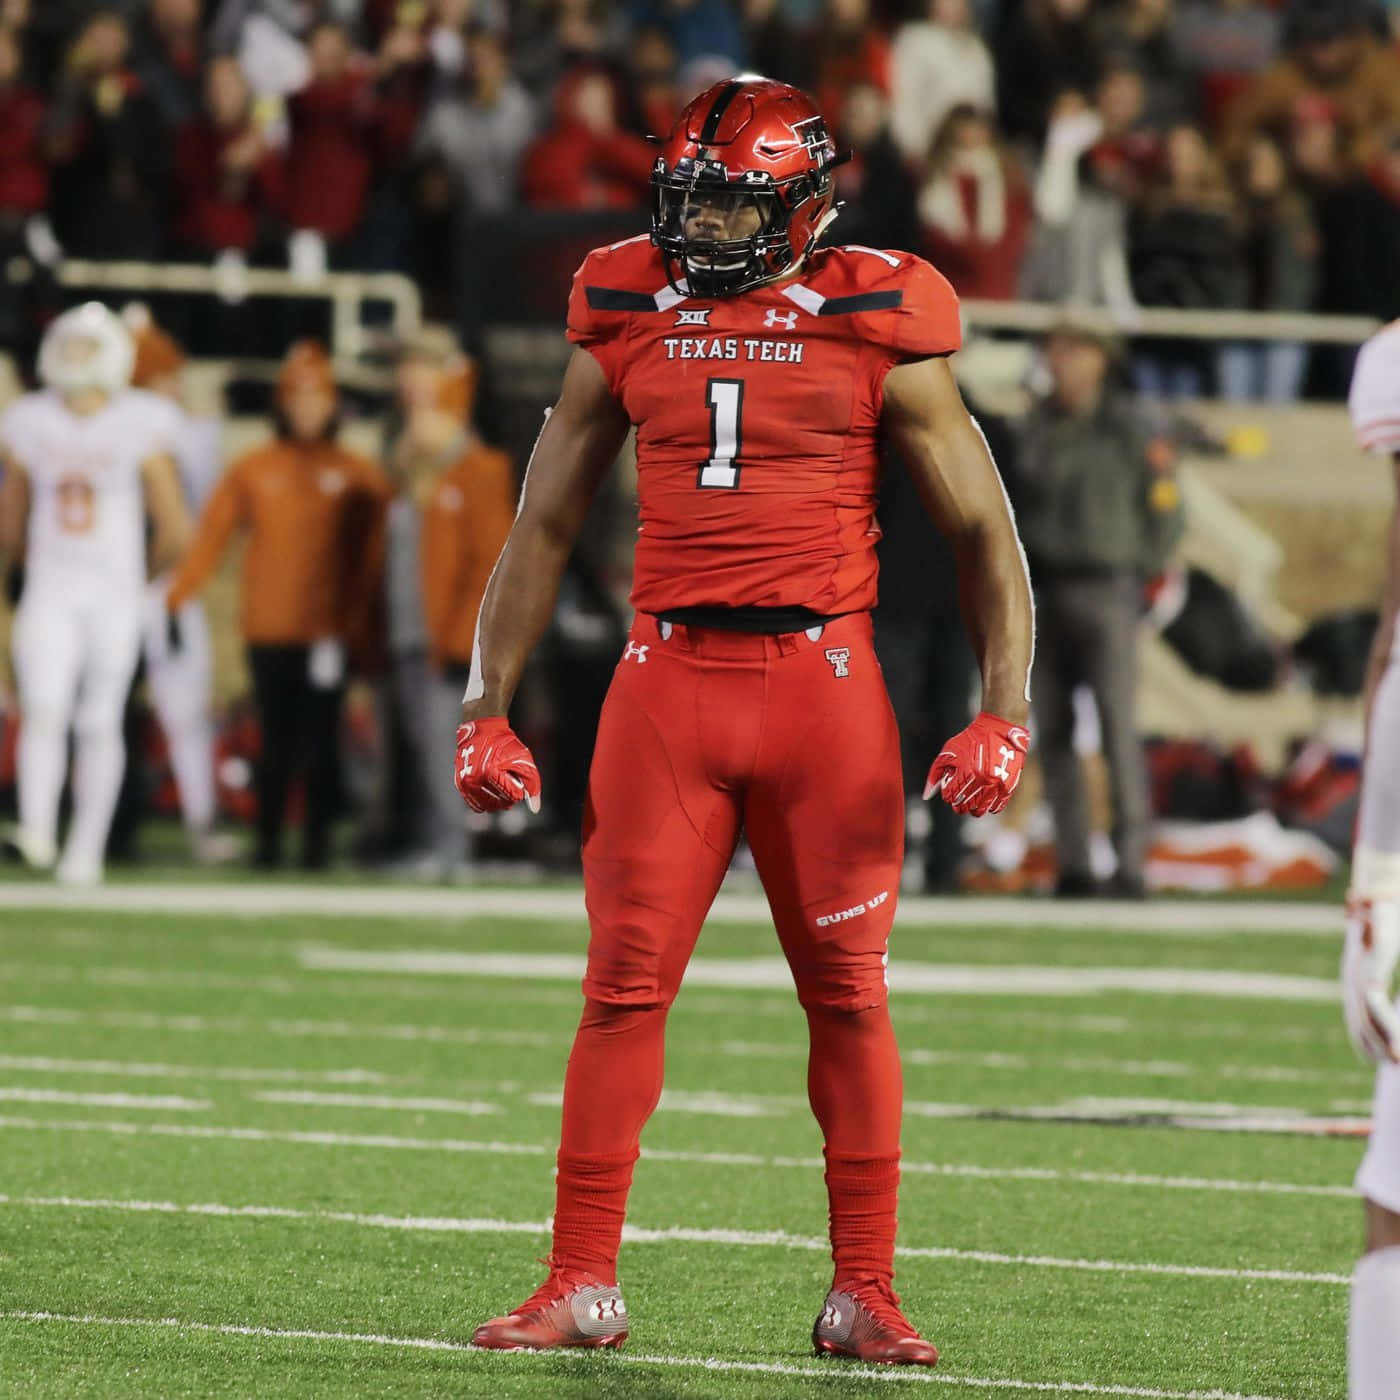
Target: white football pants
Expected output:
[74,659]
[180,683]
[1374,1328]
[1377,839]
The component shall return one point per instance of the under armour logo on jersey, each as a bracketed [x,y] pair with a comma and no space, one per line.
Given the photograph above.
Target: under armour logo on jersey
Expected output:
[693,315]
[786,319]
[840,658]
[636,651]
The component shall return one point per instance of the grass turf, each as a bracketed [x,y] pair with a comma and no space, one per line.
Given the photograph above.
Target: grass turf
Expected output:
[246,1079]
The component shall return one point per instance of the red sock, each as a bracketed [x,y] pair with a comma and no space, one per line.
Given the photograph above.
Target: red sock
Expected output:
[611,1087]
[856,1088]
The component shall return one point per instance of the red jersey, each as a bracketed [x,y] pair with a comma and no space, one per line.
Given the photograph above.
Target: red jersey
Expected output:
[758,419]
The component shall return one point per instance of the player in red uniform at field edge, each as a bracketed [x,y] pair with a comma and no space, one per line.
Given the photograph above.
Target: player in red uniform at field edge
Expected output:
[759,374]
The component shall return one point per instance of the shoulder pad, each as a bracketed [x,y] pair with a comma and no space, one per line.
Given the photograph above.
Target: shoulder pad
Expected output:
[16,420]
[623,277]
[1374,399]
[893,299]
[611,284]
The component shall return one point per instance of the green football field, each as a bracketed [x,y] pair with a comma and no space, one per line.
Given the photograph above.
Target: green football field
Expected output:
[298,1140]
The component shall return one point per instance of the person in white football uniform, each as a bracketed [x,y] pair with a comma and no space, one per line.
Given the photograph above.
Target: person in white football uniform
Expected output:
[1373,920]
[87,462]
[179,655]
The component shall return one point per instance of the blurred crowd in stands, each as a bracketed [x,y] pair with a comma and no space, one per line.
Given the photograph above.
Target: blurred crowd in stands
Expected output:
[1186,153]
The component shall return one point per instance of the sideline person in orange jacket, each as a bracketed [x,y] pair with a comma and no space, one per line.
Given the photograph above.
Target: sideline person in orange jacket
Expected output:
[313,515]
[452,512]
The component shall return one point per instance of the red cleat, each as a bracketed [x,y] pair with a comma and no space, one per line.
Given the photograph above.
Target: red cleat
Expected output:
[863,1321]
[569,1309]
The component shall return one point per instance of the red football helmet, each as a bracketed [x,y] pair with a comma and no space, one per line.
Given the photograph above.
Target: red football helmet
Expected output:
[746,147]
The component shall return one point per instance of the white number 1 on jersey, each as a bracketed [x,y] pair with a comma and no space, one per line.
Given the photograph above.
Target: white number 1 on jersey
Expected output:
[725,398]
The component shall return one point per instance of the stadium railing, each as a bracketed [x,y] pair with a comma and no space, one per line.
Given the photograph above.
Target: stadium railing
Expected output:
[347,293]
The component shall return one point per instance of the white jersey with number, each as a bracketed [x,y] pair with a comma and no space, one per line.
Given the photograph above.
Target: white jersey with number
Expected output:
[87,511]
[1374,399]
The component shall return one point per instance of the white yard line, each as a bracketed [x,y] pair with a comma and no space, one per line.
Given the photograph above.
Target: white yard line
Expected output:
[14,1093]
[635,1234]
[820,1372]
[1085,1064]
[746,1160]
[391,1102]
[1181,917]
[140,1069]
[194,1024]
[941,979]
[718,1000]
[299,1028]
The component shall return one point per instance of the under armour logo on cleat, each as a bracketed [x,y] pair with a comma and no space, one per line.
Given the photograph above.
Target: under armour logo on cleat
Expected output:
[606,1310]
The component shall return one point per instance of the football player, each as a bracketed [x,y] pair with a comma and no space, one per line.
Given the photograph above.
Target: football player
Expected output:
[1373,919]
[87,461]
[759,373]
[178,652]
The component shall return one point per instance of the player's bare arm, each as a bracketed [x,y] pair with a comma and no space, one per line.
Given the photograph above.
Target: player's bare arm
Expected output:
[14,510]
[958,482]
[579,442]
[165,504]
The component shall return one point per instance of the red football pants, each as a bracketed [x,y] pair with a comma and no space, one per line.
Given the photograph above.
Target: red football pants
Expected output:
[792,740]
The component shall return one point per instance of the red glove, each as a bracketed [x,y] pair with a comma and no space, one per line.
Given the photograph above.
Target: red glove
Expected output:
[978,769]
[494,769]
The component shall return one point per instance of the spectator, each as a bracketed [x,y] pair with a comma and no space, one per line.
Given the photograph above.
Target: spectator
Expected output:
[1220,46]
[330,155]
[975,208]
[403,73]
[585,160]
[1128,150]
[879,209]
[698,28]
[1359,221]
[109,148]
[313,513]
[229,179]
[24,177]
[1184,252]
[1136,35]
[1099,513]
[774,42]
[848,48]
[937,64]
[168,58]
[1079,247]
[1044,48]
[1280,246]
[549,40]
[652,82]
[1333,58]
[481,128]
[446,525]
